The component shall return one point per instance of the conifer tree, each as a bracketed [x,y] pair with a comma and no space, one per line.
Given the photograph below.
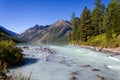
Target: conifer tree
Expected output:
[112,19]
[85,24]
[97,17]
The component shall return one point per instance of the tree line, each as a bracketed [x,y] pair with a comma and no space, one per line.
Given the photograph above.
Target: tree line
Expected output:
[99,21]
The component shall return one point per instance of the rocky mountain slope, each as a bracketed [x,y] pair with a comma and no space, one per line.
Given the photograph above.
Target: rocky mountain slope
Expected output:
[56,32]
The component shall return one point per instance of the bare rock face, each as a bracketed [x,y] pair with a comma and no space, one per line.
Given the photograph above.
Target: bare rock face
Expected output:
[57,31]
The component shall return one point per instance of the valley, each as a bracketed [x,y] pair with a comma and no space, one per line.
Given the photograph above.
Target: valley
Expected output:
[55,46]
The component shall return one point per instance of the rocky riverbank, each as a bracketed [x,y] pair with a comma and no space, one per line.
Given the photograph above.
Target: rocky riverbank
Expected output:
[114,51]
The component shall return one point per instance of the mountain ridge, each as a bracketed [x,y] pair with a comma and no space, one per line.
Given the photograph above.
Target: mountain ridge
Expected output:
[52,33]
[8,31]
[6,34]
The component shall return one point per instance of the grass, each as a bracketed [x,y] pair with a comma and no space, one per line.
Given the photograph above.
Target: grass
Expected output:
[13,76]
[100,41]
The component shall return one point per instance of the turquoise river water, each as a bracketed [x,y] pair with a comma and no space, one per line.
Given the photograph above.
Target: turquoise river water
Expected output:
[69,63]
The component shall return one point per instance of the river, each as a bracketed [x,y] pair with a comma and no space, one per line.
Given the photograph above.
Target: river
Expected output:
[69,63]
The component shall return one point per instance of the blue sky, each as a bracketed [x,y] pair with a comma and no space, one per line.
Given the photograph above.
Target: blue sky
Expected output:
[19,15]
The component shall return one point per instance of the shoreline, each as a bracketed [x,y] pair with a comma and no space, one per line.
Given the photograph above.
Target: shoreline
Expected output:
[113,51]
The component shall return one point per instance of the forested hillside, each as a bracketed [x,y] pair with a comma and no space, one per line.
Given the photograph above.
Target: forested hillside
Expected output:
[9,35]
[99,27]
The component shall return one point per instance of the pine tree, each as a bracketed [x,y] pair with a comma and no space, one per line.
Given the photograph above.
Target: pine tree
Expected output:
[85,24]
[72,23]
[108,27]
[116,18]
[75,28]
[72,17]
[112,20]
[97,17]
[75,23]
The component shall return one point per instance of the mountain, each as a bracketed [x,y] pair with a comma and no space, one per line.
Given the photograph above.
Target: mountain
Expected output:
[33,32]
[6,34]
[56,32]
[8,31]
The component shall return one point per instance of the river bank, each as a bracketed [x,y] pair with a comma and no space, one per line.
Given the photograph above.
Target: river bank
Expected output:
[114,51]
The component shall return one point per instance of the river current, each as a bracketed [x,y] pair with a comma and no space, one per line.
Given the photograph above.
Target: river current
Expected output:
[69,63]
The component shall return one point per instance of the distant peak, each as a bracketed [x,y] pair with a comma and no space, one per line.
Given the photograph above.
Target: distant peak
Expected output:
[37,25]
[60,21]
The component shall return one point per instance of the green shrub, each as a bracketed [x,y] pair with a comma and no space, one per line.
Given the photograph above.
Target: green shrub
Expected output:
[101,41]
[10,54]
